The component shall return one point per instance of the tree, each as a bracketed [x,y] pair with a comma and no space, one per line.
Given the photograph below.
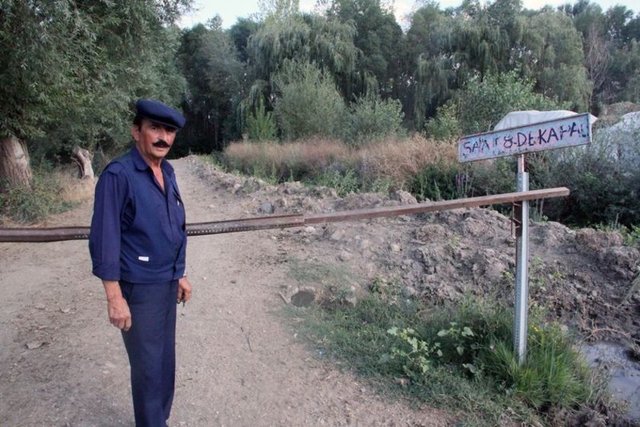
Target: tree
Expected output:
[377,37]
[69,70]
[209,62]
[428,63]
[289,37]
[240,34]
[554,58]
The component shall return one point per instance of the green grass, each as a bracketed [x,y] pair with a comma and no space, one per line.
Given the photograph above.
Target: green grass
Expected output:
[457,358]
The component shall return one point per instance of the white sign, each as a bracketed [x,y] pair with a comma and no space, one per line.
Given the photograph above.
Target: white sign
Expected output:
[560,133]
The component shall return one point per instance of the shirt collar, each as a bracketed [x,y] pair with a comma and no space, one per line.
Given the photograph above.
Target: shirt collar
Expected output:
[141,165]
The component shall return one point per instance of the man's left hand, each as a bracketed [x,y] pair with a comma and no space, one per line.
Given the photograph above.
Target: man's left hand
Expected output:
[184,290]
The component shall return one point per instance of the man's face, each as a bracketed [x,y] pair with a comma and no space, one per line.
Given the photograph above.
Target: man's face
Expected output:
[153,139]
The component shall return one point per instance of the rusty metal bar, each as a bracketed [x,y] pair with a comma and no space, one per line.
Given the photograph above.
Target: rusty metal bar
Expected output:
[437,206]
[287,221]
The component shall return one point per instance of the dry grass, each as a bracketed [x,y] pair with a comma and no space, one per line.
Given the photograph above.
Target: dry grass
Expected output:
[395,160]
[401,160]
[297,160]
[72,188]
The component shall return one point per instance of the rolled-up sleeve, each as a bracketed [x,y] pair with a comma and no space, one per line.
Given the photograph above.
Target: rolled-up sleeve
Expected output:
[106,224]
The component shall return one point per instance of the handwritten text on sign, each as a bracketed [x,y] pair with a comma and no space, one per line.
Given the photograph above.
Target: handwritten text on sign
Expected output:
[565,132]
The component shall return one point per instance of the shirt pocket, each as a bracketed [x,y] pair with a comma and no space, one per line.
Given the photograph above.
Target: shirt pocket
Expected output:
[178,209]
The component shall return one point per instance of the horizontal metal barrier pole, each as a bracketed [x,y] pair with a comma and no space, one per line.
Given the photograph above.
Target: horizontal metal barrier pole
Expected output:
[36,235]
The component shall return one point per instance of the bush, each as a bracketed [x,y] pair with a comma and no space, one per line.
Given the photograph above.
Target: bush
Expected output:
[482,103]
[308,103]
[439,181]
[446,124]
[604,184]
[400,160]
[372,119]
[261,125]
[344,182]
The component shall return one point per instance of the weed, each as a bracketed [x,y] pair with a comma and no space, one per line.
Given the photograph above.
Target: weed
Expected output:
[458,357]
[30,205]
[343,182]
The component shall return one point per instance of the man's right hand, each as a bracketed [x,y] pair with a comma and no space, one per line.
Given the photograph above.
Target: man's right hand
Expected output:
[117,307]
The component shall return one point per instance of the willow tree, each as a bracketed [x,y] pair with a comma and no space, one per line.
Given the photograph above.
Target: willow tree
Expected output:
[552,55]
[286,37]
[429,63]
[379,39]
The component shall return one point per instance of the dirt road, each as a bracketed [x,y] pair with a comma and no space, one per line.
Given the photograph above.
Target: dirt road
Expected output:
[239,363]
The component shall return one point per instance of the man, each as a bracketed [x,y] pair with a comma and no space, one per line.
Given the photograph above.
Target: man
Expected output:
[137,243]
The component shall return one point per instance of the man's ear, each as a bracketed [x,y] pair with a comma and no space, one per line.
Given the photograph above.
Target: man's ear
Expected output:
[135,132]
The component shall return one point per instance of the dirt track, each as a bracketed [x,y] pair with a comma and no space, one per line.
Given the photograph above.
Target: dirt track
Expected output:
[239,364]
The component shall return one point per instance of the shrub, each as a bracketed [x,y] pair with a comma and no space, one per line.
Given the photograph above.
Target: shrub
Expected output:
[439,181]
[446,124]
[261,125]
[308,103]
[372,119]
[344,182]
[604,184]
[482,103]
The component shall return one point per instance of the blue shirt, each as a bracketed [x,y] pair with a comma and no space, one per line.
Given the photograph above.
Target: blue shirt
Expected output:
[138,232]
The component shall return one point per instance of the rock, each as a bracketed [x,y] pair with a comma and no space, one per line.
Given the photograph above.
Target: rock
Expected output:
[409,292]
[266,208]
[337,235]
[404,197]
[303,297]
[35,344]
[394,247]
[363,243]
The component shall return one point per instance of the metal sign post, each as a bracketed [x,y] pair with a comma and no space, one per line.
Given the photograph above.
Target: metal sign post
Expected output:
[520,322]
[567,131]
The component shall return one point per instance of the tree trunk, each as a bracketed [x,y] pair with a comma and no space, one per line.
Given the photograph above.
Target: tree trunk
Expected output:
[15,170]
[83,158]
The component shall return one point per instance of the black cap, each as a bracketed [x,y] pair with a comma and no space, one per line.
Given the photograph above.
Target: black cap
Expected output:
[159,113]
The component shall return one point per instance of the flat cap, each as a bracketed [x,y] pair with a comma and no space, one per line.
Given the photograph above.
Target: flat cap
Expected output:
[160,113]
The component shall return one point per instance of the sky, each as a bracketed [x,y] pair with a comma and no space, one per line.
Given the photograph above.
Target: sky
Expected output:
[231,10]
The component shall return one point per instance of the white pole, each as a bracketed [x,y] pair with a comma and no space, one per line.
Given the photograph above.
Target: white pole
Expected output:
[522,268]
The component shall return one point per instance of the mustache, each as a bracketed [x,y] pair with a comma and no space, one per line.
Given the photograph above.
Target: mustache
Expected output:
[161,143]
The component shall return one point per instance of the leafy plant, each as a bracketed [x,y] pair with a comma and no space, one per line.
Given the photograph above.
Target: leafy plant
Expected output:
[449,354]
[308,103]
[417,359]
[372,119]
[343,182]
[261,125]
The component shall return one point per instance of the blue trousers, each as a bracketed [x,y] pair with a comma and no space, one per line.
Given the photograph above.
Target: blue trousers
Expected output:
[150,345]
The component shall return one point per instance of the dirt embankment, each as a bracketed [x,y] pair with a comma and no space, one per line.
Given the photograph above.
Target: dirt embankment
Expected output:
[239,364]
